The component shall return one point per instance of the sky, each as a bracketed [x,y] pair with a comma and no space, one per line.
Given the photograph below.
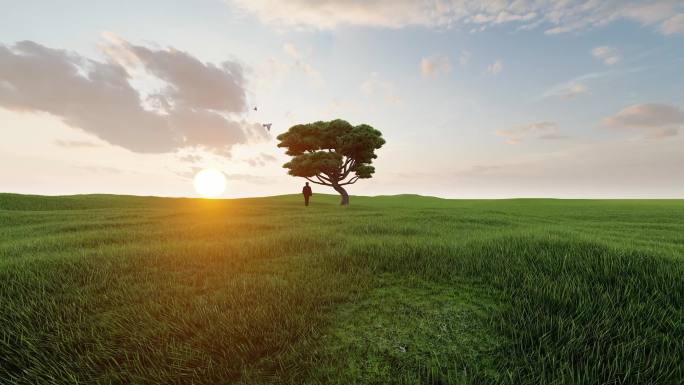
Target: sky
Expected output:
[475,99]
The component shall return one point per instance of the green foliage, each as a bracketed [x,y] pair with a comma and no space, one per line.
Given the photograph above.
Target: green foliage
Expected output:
[311,164]
[333,150]
[402,290]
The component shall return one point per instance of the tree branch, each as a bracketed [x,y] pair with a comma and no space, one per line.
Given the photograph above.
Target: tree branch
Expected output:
[325,178]
[343,169]
[350,181]
[348,170]
[323,181]
[346,163]
[313,181]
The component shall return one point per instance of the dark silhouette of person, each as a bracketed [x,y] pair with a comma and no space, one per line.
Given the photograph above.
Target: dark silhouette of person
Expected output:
[306,191]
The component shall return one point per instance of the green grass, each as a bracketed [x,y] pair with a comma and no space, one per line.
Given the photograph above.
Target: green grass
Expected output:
[136,290]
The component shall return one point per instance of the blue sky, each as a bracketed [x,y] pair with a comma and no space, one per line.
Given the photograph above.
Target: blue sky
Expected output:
[475,99]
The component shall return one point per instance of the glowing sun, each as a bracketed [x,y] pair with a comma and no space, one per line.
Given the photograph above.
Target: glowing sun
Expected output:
[210,183]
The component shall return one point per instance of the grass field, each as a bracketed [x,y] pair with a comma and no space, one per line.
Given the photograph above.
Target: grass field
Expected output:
[404,289]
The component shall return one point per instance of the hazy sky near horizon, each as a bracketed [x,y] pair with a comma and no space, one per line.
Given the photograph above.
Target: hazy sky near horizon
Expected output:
[488,99]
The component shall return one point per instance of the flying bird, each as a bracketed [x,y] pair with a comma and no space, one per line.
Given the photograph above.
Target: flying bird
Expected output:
[255,108]
[267,126]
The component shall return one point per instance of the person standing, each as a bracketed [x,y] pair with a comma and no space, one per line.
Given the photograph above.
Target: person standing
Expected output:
[306,191]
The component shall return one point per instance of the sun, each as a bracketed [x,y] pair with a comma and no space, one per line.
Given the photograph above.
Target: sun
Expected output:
[210,183]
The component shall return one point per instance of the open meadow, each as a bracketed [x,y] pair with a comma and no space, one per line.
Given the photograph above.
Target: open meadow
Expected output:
[104,289]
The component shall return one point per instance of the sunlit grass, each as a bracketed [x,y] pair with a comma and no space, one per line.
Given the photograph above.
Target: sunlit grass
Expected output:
[111,289]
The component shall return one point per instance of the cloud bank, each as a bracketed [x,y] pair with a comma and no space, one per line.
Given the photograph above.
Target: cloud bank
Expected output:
[656,120]
[195,106]
[666,16]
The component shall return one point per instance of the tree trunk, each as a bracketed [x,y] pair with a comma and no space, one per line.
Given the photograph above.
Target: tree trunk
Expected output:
[343,193]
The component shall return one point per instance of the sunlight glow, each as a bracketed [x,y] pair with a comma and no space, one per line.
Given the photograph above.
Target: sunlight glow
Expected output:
[210,183]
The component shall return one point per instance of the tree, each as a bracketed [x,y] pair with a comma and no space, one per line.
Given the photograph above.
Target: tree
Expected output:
[333,153]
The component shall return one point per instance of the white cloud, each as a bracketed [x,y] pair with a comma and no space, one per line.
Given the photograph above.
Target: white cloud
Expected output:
[291,60]
[376,86]
[260,160]
[673,25]
[608,55]
[537,130]
[76,144]
[190,158]
[190,173]
[196,106]
[552,16]
[573,90]
[436,65]
[650,12]
[495,67]
[581,84]
[300,64]
[656,120]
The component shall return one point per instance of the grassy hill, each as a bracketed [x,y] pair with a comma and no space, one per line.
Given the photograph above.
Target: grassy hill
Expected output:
[400,289]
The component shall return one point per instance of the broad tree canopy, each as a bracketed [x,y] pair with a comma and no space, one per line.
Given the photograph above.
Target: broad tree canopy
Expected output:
[333,153]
